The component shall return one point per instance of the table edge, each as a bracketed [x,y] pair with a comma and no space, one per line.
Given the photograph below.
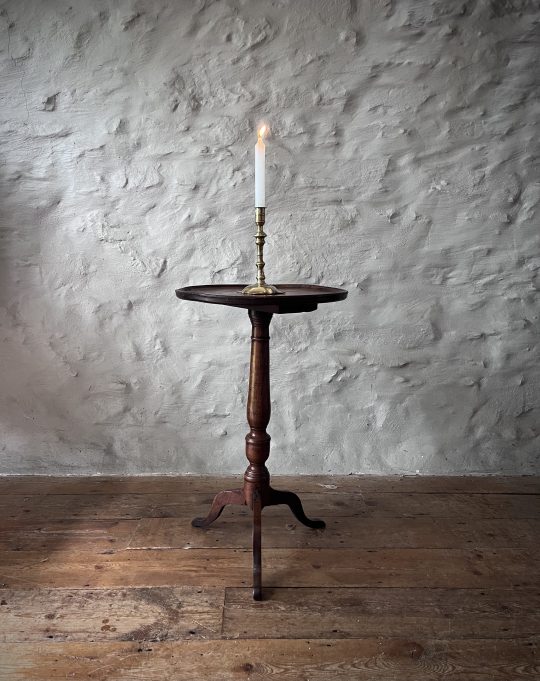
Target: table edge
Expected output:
[272,303]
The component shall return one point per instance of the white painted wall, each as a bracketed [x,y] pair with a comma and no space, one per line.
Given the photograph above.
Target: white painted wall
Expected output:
[403,166]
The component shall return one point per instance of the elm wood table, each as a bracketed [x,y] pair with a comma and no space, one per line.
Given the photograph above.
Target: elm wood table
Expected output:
[256,492]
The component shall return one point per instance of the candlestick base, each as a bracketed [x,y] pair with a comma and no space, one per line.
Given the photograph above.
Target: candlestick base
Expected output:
[261,290]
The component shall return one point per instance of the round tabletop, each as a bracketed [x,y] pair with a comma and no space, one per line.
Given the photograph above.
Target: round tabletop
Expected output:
[295,297]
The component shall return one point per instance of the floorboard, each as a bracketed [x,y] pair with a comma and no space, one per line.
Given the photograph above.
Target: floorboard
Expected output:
[416,579]
[277,660]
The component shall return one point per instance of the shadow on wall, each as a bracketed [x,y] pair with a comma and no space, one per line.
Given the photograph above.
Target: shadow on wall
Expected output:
[67,348]
[38,404]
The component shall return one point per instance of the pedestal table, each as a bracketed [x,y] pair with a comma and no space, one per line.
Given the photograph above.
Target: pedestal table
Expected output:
[256,492]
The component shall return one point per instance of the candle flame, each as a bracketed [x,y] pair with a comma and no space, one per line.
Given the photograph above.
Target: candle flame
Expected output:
[262,131]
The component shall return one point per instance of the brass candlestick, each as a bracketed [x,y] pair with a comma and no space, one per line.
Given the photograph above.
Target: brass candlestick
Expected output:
[261,288]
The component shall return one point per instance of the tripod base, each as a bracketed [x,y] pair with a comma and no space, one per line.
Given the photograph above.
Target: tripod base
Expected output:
[260,498]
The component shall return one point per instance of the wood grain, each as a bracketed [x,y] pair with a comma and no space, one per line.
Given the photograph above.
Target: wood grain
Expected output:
[209,484]
[389,613]
[416,579]
[431,568]
[279,660]
[89,535]
[19,511]
[157,614]
[110,536]
[285,532]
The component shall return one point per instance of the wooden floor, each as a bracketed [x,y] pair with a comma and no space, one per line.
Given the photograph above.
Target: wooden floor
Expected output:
[414,579]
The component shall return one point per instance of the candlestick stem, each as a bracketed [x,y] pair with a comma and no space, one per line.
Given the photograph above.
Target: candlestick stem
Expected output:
[261,288]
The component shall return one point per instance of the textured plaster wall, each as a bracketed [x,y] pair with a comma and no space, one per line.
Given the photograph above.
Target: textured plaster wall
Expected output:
[403,165]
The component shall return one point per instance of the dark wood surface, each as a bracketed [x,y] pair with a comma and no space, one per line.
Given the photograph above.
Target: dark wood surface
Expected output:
[295,297]
[420,579]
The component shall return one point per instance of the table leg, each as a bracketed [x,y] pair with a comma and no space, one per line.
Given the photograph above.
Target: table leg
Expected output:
[222,499]
[257,562]
[292,500]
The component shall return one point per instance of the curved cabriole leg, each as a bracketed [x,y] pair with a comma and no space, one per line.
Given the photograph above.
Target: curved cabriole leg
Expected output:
[257,562]
[222,499]
[292,500]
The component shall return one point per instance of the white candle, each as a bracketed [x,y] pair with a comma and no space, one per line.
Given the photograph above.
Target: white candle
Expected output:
[260,199]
